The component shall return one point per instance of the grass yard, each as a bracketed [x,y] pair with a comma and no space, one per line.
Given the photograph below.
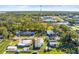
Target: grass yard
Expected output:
[10,53]
[13,43]
[53,51]
[3,45]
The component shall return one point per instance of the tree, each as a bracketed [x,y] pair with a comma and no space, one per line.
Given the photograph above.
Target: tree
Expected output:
[64,28]
[4,32]
[74,34]
[72,21]
[68,44]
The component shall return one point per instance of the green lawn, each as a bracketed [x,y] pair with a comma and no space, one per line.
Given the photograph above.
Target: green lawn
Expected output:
[13,43]
[53,51]
[3,45]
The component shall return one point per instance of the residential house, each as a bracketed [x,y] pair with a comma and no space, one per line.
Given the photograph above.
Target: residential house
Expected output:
[25,33]
[48,19]
[24,43]
[53,44]
[50,33]
[38,42]
[11,48]
[1,37]
[21,45]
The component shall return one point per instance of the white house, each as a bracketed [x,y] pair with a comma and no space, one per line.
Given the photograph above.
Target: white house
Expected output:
[24,42]
[57,38]
[27,42]
[11,48]
[21,45]
[50,32]
[53,44]
[38,42]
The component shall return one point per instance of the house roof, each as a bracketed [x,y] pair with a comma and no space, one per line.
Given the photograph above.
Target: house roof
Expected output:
[50,32]
[53,42]
[12,47]
[21,44]
[1,36]
[57,38]
[25,33]
[26,41]
[48,17]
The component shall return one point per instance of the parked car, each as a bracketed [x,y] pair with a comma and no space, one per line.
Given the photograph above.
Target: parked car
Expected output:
[17,52]
[35,52]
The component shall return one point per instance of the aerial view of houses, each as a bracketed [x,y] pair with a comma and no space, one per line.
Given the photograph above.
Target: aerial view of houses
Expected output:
[38,32]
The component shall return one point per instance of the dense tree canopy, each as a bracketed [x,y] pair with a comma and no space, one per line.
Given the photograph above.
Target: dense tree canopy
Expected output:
[20,22]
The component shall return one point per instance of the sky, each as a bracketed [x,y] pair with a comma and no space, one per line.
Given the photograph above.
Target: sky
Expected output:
[37,7]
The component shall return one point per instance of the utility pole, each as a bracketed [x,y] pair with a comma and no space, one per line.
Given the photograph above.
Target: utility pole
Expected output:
[40,12]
